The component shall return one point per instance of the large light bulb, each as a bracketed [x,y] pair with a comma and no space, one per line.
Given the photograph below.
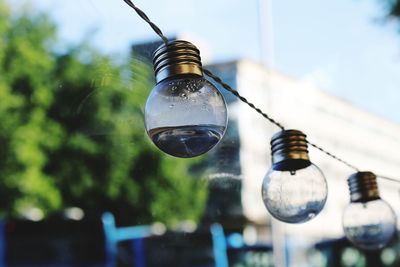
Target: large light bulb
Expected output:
[185,115]
[294,190]
[368,221]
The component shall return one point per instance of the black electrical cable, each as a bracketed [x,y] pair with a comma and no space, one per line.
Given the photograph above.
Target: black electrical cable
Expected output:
[143,15]
[243,99]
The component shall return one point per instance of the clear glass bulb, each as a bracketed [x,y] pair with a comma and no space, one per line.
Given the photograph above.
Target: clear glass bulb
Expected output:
[369,225]
[294,196]
[186,116]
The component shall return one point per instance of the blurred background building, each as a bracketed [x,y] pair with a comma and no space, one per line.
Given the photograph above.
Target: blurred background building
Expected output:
[331,122]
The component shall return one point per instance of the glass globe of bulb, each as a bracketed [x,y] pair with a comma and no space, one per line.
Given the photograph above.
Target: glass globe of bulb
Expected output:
[294,196]
[370,225]
[185,115]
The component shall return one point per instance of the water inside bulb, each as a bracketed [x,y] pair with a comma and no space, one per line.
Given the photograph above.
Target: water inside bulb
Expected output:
[187,141]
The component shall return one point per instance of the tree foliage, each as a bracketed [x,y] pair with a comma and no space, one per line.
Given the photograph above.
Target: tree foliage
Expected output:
[72,134]
[393,8]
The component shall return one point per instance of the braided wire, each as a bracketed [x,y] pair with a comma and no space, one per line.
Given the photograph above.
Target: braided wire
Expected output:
[218,80]
[333,156]
[243,99]
[143,15]
[388,178]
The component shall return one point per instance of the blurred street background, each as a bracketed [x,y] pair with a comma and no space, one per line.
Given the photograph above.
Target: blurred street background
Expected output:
[81,184]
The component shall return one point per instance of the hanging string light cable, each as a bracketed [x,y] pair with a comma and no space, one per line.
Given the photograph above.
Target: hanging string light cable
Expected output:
[143,15]
[243,99]
[390,179]
[227,87]
[351,166]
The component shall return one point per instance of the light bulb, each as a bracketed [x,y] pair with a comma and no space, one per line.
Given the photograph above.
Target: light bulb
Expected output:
[368,221]
[294,190]
[185,115]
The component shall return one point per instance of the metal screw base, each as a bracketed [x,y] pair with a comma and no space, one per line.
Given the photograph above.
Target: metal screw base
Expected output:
[363,187]
[176,58]
[289,150]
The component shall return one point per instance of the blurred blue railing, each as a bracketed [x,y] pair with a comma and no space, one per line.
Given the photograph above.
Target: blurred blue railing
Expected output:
[114,235]
[222,244]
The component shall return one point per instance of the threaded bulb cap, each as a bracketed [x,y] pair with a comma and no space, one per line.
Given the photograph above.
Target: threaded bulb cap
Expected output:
[363,187]
[289,150]
[176,58]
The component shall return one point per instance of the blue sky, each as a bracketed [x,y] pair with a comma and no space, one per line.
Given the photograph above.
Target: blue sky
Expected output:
[340,45]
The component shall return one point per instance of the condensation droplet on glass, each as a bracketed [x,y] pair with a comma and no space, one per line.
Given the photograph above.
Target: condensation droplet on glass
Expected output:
[191,86]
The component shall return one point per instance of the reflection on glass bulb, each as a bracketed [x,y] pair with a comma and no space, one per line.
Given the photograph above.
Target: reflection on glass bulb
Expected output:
[294,196]
[369,225]
[185,117]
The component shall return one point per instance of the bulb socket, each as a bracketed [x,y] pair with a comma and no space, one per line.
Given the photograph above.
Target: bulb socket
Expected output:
[289,151]
[363,187]
[176,58]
